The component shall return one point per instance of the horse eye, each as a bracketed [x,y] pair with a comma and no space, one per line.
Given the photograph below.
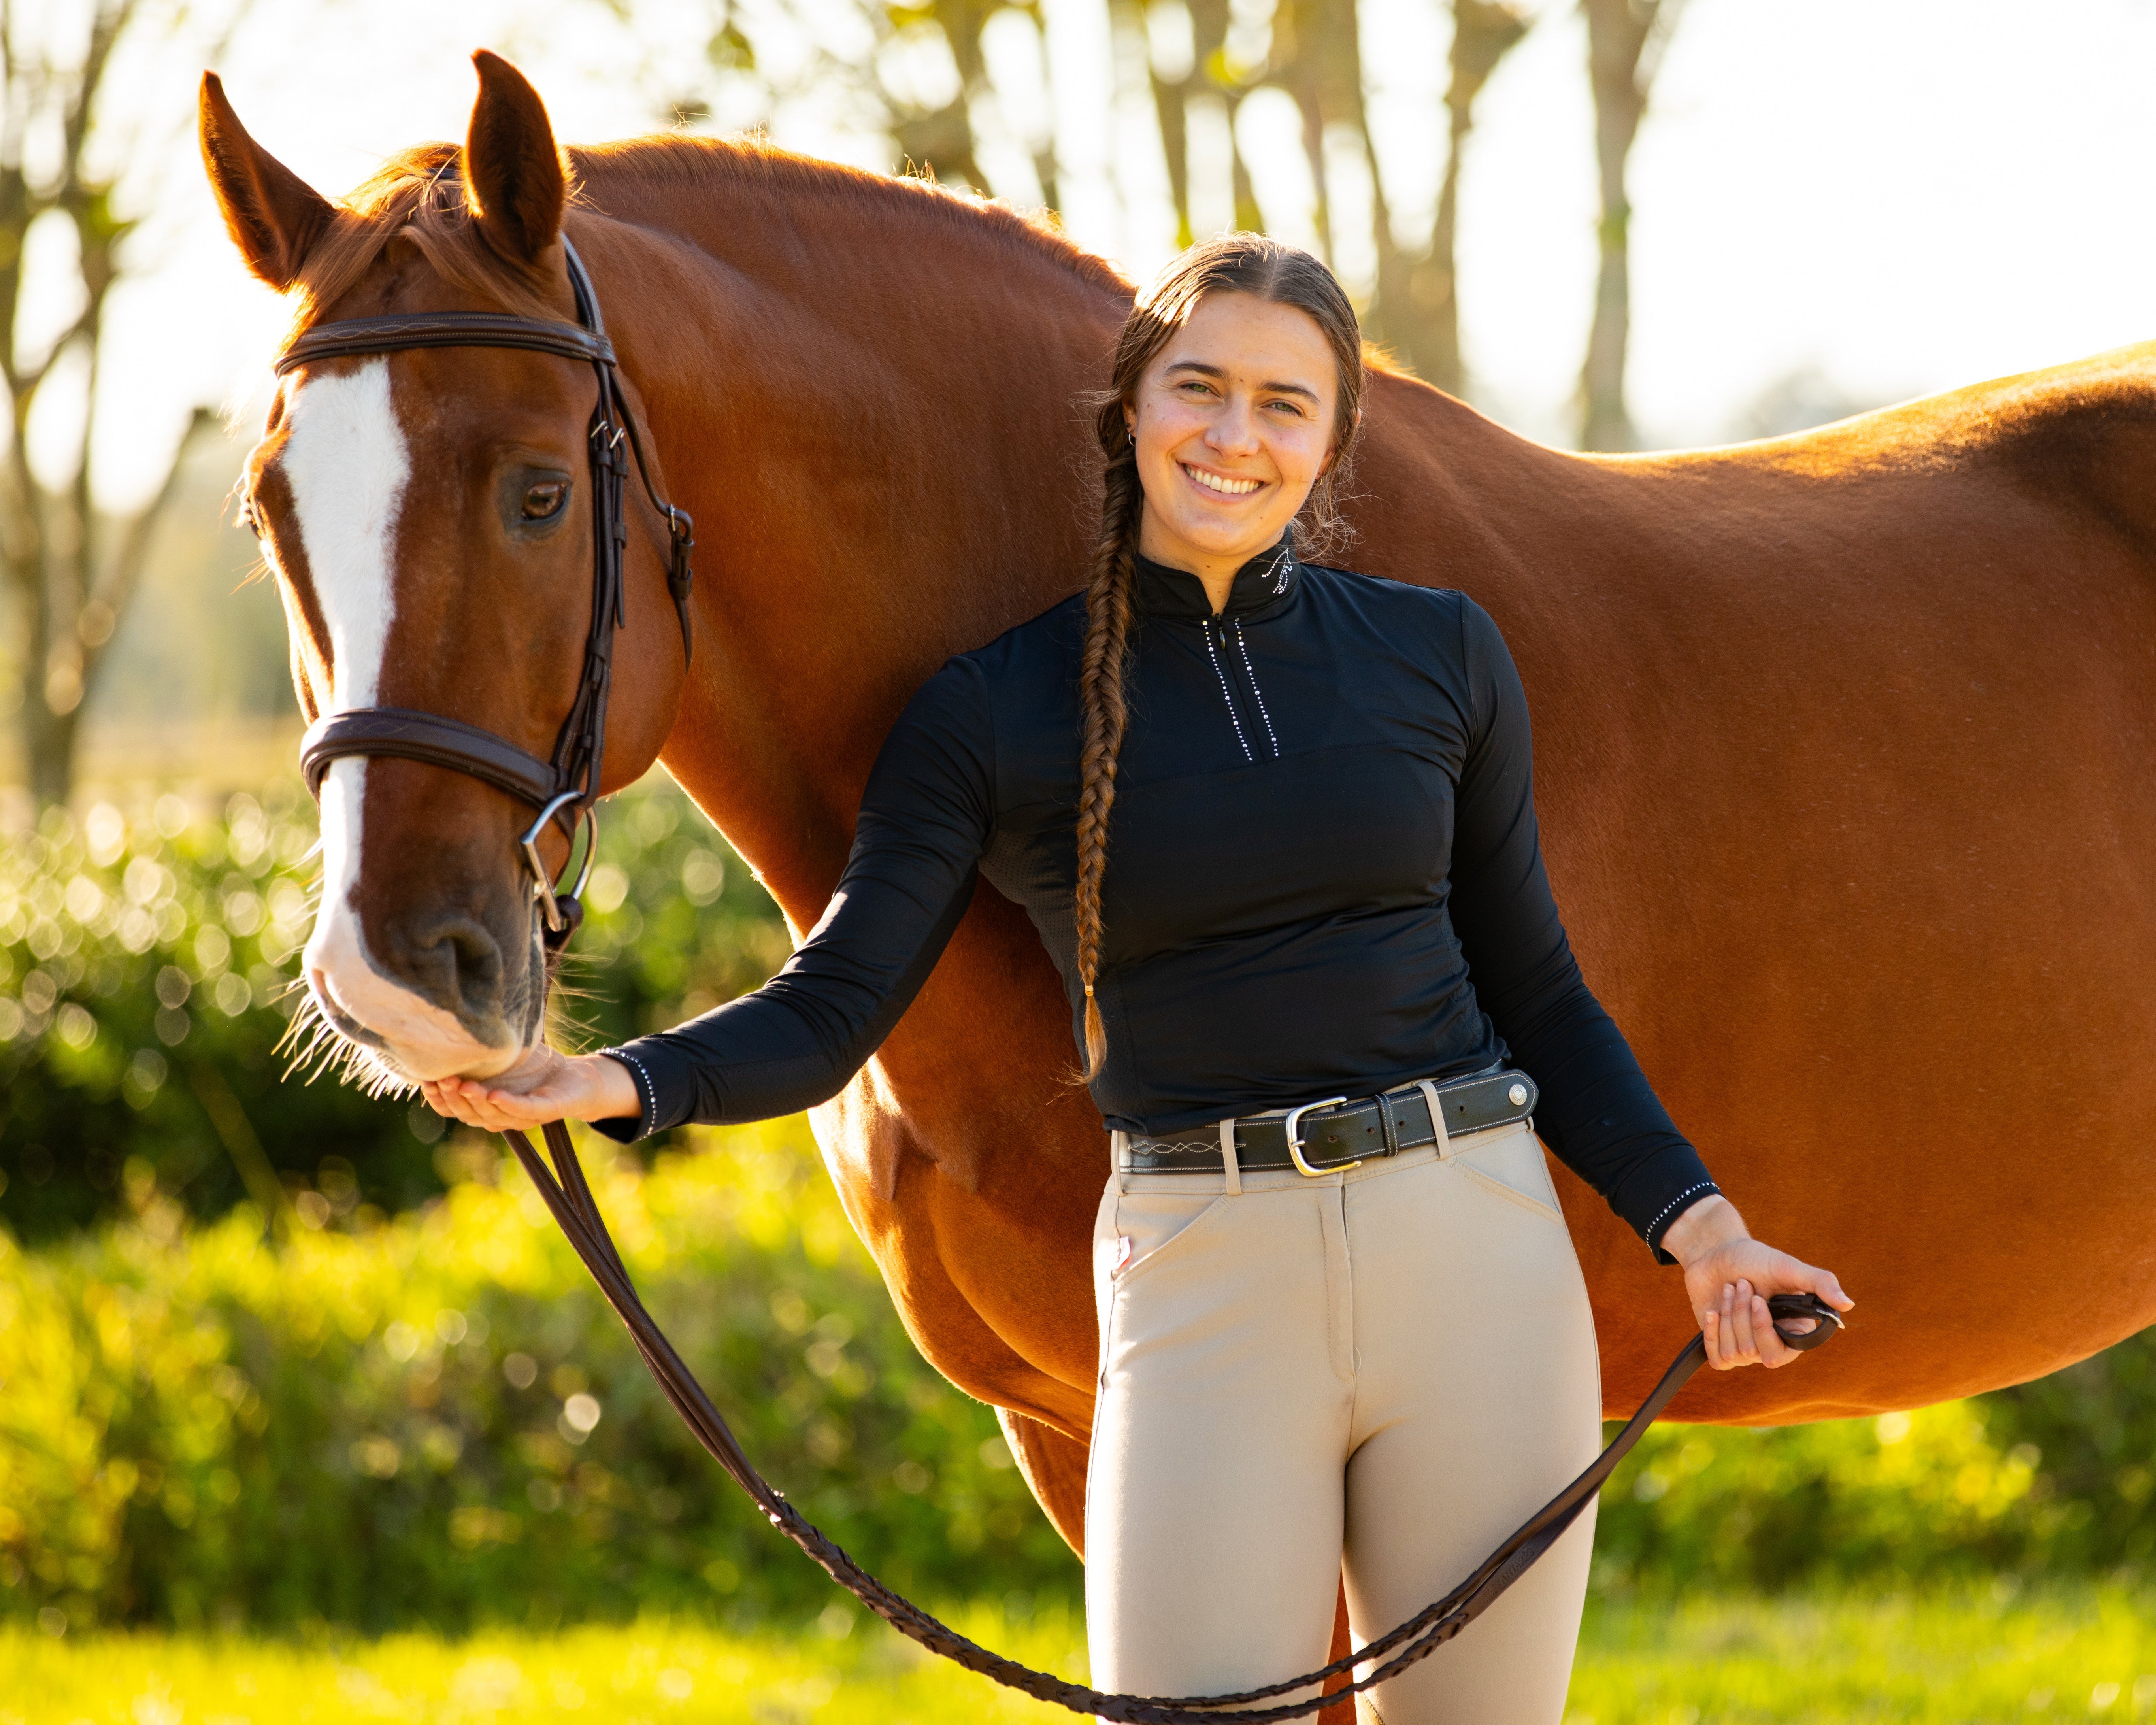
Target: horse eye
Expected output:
[248,518]
[544,501]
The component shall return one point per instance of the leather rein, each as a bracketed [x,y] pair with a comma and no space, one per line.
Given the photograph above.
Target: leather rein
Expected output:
[564,789]
[569,1197]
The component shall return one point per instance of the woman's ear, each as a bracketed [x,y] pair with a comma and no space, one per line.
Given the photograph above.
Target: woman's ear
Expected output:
[1332,456]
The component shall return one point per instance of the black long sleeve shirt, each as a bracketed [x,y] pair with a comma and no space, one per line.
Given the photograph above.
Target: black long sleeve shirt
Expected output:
[1324,878]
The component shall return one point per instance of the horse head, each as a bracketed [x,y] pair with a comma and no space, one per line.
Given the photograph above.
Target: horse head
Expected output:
[428,512]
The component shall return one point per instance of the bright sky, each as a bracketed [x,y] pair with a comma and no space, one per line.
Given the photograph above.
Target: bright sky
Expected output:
[1898,195]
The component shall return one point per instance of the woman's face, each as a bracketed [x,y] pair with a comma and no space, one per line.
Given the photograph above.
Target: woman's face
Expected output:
[1233,423]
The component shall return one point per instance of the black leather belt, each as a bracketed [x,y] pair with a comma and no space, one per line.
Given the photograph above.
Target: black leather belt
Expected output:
[1326,1138]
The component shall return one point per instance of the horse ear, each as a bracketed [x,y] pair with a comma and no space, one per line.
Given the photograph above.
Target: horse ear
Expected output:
[513,178]
[274,216]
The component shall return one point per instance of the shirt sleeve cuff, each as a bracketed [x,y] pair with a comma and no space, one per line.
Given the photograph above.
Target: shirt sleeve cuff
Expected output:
[626,1131]
[1665,1217]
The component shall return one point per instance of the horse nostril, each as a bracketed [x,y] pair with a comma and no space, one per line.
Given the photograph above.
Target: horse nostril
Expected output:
[455,962]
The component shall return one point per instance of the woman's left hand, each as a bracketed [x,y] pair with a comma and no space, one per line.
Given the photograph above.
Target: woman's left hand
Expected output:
[543,1086]
[1728,1276]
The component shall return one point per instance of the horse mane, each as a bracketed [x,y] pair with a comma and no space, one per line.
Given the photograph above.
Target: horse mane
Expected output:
[418,194]
[682,163]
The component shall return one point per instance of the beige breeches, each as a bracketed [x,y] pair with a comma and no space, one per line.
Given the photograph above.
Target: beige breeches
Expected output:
[1381,1373]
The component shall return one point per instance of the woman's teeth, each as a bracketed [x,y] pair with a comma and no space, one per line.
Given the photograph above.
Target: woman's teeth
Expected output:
[1225,487]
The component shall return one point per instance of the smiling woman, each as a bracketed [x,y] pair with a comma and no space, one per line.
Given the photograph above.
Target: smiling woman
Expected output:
[1236,421]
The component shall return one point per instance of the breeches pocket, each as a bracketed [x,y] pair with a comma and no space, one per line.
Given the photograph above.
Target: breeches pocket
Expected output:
[1511,1166]
[1137,1229]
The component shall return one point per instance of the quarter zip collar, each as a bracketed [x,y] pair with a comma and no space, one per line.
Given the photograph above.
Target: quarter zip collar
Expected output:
[1264,586]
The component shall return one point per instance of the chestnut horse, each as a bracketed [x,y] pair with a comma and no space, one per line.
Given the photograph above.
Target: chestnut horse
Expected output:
[1846,737]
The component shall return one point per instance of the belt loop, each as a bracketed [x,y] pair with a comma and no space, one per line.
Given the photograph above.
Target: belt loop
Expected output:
[1119,1151]
[1436,1118]
[1232,1168]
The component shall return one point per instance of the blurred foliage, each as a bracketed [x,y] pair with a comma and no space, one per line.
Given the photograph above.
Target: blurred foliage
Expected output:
[2051,1477]
[434,1421]
[147,957]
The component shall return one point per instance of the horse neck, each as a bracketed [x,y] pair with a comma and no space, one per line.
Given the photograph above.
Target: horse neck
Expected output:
[867,402]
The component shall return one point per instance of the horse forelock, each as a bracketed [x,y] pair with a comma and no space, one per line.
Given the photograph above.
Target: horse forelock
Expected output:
[418,195]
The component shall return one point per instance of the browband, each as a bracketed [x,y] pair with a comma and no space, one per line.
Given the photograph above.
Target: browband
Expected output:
[393,332]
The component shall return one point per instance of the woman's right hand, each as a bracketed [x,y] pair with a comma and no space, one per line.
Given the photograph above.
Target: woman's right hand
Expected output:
[1728,1276]
[543,1086]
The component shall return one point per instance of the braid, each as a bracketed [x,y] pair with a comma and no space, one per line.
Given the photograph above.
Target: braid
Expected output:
[1103,714]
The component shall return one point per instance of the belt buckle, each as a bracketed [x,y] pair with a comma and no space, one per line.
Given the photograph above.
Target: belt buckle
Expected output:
[1295,1140]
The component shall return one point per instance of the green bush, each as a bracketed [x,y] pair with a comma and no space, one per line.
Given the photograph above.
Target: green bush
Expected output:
[146,965]
[435,1421]
[2048,1478]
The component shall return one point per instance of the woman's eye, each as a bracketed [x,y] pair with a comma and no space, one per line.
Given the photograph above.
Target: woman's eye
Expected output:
[544,501]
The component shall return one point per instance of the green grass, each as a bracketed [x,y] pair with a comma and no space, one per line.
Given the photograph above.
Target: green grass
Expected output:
[1975,1655]
[664,1674]
[1972,1657]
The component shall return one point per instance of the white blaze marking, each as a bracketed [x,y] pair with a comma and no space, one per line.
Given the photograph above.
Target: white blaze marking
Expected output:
[346,462]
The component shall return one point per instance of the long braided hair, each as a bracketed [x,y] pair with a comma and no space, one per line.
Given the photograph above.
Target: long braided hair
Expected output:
[1233,262]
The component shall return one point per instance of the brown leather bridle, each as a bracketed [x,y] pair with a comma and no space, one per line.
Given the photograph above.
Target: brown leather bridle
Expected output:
[564,789]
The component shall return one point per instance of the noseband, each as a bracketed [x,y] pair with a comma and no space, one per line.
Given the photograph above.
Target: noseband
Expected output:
[564,789]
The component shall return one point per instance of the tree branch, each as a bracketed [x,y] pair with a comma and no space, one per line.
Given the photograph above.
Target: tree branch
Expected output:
[103,609]
[106,28]
[7,44]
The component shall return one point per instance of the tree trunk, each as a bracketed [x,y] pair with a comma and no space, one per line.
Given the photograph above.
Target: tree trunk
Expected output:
[942,142]
[1304,45]
[1209,74]
[68,581]
[1418,299]
[1624,39]
[1172,104]
[75,584]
